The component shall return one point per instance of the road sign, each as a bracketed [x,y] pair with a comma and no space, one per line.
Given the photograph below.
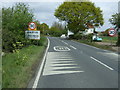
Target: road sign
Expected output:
[32,26]
[32,35]
[111,32]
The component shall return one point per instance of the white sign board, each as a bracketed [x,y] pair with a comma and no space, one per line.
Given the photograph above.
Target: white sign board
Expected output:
[32,34]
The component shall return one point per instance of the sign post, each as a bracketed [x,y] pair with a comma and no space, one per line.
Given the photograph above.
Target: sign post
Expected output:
[32,26]
[111,33]
[32,32]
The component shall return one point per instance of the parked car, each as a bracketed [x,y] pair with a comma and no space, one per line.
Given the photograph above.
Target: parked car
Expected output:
[96,38]
[63,36]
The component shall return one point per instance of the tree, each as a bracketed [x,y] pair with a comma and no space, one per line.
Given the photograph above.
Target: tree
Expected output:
[14,23]
[115,20]
[79,14]
[57,29]
[58,25]
[44,28]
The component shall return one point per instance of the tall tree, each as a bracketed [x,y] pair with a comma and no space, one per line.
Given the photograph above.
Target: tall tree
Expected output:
[79,14]
[115,20]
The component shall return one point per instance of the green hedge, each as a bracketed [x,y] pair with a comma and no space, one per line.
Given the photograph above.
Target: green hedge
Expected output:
[14,23]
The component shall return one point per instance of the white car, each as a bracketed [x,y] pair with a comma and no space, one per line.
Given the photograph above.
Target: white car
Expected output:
[63,36]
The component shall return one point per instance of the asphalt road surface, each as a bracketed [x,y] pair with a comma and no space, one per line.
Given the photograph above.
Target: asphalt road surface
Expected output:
[70,64]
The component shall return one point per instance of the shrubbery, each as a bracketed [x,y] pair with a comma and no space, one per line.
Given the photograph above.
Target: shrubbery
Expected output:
[79,36]
[56,32]
[14,23]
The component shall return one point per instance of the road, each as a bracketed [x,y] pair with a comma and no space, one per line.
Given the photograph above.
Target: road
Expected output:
[70,64]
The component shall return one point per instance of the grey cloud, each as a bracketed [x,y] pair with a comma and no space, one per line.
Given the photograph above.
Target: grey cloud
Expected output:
[44,11]
[43,6]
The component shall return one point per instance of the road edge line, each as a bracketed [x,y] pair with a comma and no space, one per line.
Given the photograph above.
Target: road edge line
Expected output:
[41,67]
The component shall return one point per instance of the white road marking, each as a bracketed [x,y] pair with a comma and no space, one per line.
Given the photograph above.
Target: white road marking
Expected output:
[41,67]
[63,64]
[56,65]
[61,48]
[63,59]
[64,67]
[66,61]
[64,42]
[72,47]
[102,63]
[61,72]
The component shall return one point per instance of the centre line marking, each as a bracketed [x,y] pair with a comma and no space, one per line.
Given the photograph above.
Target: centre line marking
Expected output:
[65,43]
[72,47]
[102,63]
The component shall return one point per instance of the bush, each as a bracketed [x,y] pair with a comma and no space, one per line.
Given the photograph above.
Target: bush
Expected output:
[14,22]
[39,42]
[89,37]
[78,36]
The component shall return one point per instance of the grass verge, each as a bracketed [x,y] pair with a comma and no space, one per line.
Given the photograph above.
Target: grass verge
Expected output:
[109,39]
[18,68]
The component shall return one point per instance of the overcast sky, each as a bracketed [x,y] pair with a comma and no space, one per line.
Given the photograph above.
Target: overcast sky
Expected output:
[44,10]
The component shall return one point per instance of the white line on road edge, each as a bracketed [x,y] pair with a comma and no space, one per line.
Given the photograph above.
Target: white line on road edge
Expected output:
[72,47]
[102,63]
[41,67]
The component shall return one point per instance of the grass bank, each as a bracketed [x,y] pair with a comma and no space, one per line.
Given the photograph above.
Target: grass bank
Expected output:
[19,67]
[109,39]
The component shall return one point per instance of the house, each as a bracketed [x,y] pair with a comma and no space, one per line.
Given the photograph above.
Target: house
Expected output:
[90,29]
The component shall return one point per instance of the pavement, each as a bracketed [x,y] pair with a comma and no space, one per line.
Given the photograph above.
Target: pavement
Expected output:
[70,64]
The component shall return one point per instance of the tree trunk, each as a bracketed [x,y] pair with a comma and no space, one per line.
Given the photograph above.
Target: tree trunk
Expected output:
[118,41]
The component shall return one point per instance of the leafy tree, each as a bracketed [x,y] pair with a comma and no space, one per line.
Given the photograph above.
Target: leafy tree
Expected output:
[55,32]
[115,20]
[44,27]
[79,14]
[57,29]
[58,25]
[14,23]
